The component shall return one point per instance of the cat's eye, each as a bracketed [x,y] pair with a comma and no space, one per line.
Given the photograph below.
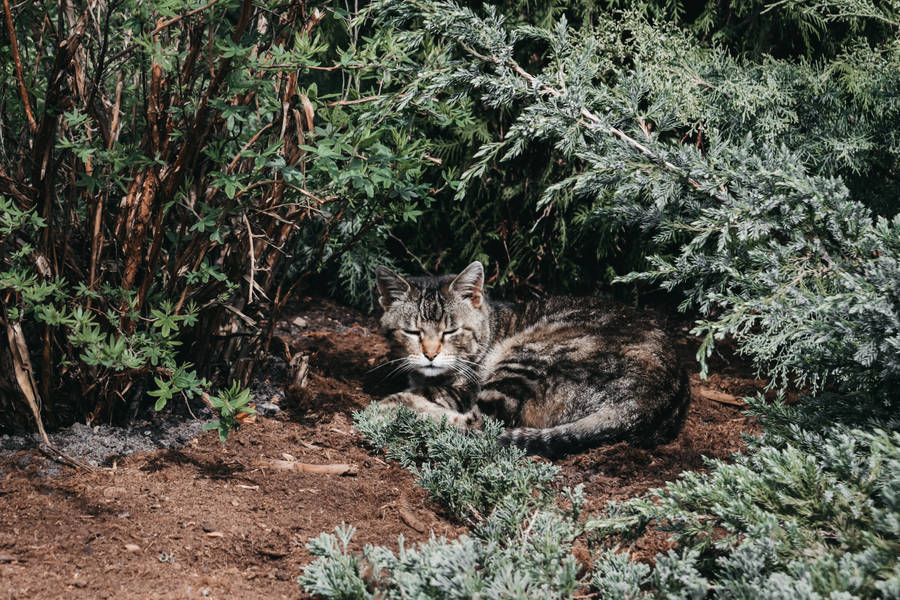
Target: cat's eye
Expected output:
[412,332]
[451,331]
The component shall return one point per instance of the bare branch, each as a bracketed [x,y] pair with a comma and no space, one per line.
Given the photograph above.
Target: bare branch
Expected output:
[20,77]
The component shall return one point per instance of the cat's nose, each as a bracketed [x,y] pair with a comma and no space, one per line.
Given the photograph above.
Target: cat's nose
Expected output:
[430,355]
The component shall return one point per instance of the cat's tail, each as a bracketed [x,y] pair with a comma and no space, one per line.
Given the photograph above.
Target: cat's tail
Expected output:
[606,426]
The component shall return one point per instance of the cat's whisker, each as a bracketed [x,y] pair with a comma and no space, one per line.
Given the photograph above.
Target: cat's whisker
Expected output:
[465,370]
[469,364]
[386,363]
[405,366]
[461,366]
[458,371]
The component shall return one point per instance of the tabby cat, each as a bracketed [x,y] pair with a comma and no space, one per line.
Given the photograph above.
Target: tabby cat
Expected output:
[563,374]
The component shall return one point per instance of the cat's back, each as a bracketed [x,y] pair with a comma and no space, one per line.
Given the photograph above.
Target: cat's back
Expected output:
[576,372]
[584,340]
[596,317]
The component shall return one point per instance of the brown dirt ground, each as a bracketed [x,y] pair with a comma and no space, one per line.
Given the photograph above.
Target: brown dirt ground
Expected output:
[221,521]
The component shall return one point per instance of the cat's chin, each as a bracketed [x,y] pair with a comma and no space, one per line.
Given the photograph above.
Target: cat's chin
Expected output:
[432,371]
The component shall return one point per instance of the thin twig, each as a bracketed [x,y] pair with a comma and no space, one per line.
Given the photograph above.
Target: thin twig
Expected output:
[306,193]
[228,307]
[252,259]
[252,141]
[174,20]
[407,250]
[357,101]
[282,66]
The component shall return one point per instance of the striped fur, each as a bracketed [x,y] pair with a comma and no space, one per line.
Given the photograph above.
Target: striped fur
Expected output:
[564,374]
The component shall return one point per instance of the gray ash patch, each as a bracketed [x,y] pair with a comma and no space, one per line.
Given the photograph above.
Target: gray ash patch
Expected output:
[267,386]
[269,400]
[100,444]
[172,429]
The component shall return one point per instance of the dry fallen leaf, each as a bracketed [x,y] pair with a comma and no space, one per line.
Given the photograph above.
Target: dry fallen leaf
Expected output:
[245,418]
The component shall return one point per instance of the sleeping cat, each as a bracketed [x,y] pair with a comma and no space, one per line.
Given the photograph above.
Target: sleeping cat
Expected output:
[563,374]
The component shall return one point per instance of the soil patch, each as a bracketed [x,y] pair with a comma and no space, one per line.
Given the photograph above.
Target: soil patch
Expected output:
[205,519]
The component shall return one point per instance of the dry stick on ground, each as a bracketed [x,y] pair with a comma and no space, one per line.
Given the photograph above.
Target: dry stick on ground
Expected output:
[721,397]
[293,465]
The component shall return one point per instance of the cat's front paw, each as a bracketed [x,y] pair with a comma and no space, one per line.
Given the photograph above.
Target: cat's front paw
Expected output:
[458,420]
[396,400]
[472,419]
[467,420]
[423,406]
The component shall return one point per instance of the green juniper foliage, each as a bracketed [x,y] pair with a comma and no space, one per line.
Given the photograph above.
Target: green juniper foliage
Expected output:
[803,515]
[534,562]
[796,517]
[764,191]
[840,117]
[520,541]
[762,238]
[467,472]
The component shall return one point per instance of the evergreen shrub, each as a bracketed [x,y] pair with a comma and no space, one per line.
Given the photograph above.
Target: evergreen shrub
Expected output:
[763,190]
[836,109]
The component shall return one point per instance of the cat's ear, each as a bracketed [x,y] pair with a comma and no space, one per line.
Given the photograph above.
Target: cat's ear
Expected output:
[470,283]
[391,287]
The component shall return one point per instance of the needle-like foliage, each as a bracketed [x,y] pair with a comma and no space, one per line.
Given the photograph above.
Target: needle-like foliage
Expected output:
[763,191]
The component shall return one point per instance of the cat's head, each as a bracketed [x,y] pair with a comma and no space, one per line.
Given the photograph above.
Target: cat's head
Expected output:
[436,326]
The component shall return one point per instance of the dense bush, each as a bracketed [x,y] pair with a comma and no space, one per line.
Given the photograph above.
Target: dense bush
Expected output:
[467,472]
[804,515]
[158,162]
[837,110]
[764,191]
[811,515]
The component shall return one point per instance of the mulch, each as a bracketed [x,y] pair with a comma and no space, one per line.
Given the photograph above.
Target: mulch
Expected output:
[231,520]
